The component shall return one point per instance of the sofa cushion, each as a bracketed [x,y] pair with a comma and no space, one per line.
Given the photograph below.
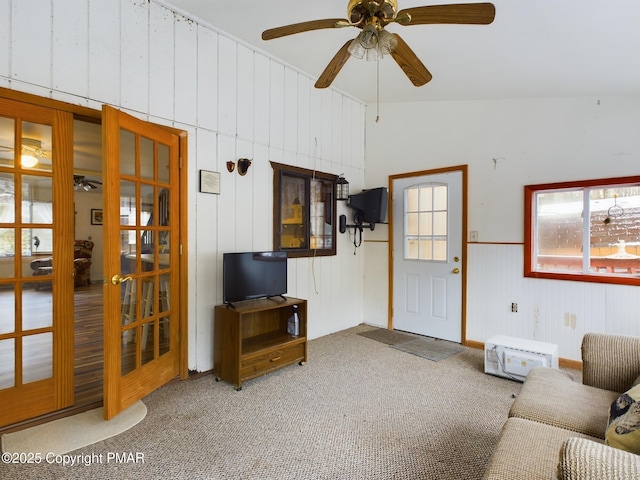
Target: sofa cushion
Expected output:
[581,459]
[551,396]
[527,450]
[623,431]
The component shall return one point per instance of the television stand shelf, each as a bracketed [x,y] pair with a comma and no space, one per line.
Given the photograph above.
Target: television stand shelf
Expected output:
[251,338]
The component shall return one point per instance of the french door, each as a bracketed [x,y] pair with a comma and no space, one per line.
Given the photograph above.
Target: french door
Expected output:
[36,224]
[427,258]
[141,258]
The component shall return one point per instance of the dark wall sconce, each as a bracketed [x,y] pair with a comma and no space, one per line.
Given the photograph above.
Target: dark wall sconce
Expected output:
[342,187]
[358,226]
[243,166]
[231,166]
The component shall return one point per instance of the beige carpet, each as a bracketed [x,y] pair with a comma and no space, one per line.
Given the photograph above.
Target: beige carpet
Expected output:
[358,409]
[70,433]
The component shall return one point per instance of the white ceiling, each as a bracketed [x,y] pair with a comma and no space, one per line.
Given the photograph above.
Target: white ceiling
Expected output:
[534,48]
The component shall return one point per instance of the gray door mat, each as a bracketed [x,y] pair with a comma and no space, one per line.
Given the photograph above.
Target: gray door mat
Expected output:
[390,337]
[430,348]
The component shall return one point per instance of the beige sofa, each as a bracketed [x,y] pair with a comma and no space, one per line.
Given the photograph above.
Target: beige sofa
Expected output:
[556,426]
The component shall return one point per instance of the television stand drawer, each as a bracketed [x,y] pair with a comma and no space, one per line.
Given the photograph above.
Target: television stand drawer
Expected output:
[260,363]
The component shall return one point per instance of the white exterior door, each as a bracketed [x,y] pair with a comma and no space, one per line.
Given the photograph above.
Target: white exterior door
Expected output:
[427,254]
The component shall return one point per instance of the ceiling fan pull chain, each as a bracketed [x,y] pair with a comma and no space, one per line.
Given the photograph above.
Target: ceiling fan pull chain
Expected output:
[377,90]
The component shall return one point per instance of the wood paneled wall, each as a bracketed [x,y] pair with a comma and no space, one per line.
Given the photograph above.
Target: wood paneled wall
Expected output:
[233,101]
[553,311]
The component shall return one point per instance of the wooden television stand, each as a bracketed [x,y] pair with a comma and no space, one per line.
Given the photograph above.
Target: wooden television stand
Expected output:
[251,339]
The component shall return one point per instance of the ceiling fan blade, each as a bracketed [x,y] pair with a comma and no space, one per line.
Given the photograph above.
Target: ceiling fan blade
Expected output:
[304,27]
[334,67]
[410,63]
[463,13]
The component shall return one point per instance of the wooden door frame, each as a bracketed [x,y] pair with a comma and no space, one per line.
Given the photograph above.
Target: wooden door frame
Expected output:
[88,114]
[458,168]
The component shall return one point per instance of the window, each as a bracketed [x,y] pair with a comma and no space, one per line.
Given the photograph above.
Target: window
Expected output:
[304,211]
[425,222]
[587,231]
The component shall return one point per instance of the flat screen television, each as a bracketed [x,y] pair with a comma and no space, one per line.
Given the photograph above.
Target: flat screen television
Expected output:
[249,275]
[370,205]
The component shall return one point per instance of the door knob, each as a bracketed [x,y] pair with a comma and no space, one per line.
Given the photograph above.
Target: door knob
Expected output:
[456,270]
[116,279]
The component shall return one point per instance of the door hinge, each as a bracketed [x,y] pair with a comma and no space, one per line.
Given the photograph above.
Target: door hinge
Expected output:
[179,162]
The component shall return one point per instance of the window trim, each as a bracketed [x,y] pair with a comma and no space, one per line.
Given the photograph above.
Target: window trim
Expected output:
[529,230]
[307,176]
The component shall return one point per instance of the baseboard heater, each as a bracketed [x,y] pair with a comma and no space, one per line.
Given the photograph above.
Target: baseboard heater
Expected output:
[513,358]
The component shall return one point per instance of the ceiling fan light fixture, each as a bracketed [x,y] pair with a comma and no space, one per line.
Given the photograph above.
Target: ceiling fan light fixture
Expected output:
[368,37]
[28,160]
[356,49]
[29,156]
[373,54]
[386,42]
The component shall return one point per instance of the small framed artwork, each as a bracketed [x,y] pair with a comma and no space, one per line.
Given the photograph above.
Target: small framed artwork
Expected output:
[96,216]
[209,182]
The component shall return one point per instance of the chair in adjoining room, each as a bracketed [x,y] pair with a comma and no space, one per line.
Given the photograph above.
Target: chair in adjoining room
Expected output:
[82,250]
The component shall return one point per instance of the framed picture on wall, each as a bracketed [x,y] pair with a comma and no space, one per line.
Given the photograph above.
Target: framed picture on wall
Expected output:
[96,216]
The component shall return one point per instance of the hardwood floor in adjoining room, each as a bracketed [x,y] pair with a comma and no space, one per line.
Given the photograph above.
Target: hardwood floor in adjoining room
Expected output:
[88,338]
[89,357]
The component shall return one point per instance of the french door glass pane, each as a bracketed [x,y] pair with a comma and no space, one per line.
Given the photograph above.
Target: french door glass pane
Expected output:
[148,342]
[7,142]
[164,333]
[7,199]
[7,252]
[37,309]
[36,146]
[163,163]
[146,158]
[127,152]
[7,363]
[37,357]
[8,309]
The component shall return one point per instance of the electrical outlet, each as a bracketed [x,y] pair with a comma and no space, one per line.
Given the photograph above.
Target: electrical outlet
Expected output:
[514,307]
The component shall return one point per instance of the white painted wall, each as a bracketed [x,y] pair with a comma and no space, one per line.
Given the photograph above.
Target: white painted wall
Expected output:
[83,203]
[508,144]
[233,101]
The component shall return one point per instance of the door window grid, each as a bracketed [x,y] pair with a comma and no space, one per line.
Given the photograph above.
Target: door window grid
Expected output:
[426,222]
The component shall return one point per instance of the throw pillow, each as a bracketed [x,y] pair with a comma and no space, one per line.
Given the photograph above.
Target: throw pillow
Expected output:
[623,430]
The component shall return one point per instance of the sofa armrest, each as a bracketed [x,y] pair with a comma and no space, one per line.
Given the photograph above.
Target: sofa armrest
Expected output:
[610,361]
[583,459]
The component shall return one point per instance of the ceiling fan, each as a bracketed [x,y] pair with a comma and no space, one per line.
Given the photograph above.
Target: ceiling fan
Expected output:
[80,182]
[372,16]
